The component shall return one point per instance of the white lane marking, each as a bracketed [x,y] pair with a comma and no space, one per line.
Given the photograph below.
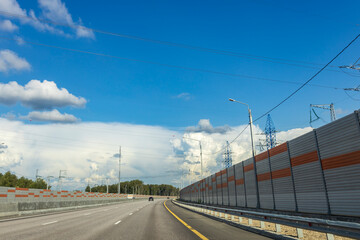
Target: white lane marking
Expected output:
[130,214]
[49,223]
[87,214]
[118,222]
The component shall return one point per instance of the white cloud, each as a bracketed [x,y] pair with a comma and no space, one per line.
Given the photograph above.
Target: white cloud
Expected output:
[185,96]
[205,126]
[56,11]
[11,61]
[50,116]
[87,149]
[8,26]
[38,95]
[53,10]
[12,6]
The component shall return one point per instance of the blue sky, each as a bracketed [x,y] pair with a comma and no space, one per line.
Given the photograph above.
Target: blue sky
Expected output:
[131,92]
[125,91]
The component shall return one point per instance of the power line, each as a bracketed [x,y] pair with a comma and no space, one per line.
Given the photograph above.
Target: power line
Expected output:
[293,93]
[170,65]
[174,44]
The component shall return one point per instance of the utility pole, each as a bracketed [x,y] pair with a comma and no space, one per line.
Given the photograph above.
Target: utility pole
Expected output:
[37,174]
[48,181]
[119,168]
[201,160]
[60,177]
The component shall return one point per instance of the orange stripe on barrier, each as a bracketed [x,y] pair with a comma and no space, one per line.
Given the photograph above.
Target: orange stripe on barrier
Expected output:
[224,185]
[286,172]
[21,195]
[31,193]
[239,181]
[230,179]
[305,158]
[279,149]
[343,160]
[3,195]
[249,167]
[218,186]
[261,156]
[64,195]
[218,174]
[22,189]
[223,172]
[11,190]
[36,195]
[213,179]
[263,177]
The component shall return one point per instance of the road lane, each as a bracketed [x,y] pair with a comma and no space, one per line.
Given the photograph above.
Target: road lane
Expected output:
[131,220]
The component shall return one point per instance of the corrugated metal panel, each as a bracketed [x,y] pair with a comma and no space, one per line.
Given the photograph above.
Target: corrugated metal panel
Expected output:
[309,184]
[219,189]
[240,187]
[264,183]
[224,187]
[250,185]
[282,180]
[214,190]
[339,146]
[339,137]
[231,185]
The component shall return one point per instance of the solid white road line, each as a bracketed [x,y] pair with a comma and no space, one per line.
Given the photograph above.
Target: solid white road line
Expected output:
[49,223]
[118,222]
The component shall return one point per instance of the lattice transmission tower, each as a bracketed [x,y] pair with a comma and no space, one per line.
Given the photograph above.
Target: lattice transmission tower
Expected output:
[270,133]
[227,156]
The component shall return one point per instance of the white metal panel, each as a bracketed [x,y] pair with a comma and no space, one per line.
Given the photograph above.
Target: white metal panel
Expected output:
[240,187]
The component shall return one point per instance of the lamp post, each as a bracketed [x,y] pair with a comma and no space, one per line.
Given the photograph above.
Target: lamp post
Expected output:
[201,161]
[252,147]
[251,125]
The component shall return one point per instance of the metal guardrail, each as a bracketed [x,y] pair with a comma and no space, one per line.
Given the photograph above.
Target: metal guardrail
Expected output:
[341,228]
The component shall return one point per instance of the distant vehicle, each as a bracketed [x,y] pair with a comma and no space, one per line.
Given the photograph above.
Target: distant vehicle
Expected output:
[151,199]
[130,196]
[168,198]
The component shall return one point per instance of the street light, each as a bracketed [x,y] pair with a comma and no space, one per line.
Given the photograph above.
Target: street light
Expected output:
[201,161]
[250,122]
[252,147]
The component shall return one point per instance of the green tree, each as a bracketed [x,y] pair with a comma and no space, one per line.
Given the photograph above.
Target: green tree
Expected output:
[8,180]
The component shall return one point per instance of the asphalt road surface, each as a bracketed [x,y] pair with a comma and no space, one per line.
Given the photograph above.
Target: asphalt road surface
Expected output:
[131,220]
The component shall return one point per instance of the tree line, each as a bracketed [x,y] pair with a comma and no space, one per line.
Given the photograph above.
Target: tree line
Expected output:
[137,187]
[11,180]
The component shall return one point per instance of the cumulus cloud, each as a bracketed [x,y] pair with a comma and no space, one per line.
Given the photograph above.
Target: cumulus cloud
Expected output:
[87,150]
[38,95]
[50,116]
[8,26]
[9,60]
[205,126]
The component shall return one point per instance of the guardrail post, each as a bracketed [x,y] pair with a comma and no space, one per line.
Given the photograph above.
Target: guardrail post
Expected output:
[278,228]
[300,233]
[330,236]
[262,224]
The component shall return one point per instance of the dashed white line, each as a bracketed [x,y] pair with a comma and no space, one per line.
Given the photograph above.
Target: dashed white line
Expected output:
[130,214]
[118,222]
[49,223]
[87,214]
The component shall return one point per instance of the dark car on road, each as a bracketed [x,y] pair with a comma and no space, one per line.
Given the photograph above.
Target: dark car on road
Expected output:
[151,199]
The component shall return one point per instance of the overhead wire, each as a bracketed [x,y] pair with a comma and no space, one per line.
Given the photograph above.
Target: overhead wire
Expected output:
[294,92]
[168,43]
[170,65]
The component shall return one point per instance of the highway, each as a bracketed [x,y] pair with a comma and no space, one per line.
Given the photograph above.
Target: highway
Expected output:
[131,220]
